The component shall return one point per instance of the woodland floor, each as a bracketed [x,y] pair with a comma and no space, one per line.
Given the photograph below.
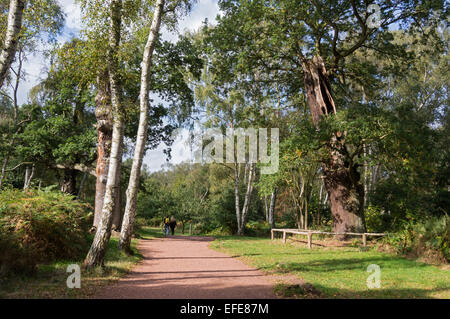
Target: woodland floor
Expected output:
[193,267]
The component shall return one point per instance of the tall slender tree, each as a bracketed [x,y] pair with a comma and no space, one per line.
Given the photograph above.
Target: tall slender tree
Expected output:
[132,191]
[9,48]
[96,254]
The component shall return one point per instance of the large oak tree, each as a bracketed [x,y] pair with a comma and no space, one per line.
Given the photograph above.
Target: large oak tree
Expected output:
[308,46]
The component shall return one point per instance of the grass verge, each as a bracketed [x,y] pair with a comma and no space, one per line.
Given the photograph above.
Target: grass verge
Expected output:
[338,272]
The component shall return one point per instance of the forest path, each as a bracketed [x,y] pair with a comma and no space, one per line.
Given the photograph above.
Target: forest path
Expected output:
[182,267]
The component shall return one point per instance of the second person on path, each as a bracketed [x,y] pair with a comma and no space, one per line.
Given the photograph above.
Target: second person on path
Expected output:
[172,225]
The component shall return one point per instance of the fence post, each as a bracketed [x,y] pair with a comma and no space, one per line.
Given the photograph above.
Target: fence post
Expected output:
[309,240]
[284,237]
[271,234]
[364,239]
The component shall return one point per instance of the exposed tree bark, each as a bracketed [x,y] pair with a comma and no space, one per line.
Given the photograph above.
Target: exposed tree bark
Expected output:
[79,167]
[30,178]
[118,214]
[273,198]
[248,194]
[266,208]
[96,254]
[103,113]
[342,179]
[3,173]
[319,208]
[29,174]
[17,126]
[14,26]
[236,198]
[133,185]
[83,181]
[365,179]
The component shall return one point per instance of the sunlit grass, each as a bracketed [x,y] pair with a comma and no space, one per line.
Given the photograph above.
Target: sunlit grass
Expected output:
[341,272]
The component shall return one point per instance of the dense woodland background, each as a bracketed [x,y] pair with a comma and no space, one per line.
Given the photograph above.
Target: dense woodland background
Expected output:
[381,134]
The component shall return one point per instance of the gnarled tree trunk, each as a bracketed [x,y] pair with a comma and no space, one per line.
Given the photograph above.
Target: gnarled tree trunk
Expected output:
[9,48]
[342,179]
[104,132]
[133,185]
[96,254]
[103,113]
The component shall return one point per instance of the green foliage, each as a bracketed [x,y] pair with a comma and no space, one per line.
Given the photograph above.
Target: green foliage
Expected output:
[257,228]
[40,226]
[374,219]
[61,129]
[428,238]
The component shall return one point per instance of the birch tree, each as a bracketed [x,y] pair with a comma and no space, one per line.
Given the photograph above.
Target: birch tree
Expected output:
[132,191]
[98,248]
[9,48]
[273,199]
[104,142]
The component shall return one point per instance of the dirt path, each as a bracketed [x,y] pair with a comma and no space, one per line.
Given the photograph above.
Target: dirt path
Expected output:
[185,267]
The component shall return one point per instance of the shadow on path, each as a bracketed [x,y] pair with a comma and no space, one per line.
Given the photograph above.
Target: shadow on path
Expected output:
[183,267]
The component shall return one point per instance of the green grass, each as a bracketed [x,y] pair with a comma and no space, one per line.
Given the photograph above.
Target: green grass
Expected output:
[50,279]
[333,272]
[339,272]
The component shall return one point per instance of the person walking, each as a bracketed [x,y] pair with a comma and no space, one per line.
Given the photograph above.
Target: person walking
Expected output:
[166,225]
[172,225]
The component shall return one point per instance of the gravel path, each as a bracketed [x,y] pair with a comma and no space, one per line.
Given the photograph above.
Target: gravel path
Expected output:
[186,268]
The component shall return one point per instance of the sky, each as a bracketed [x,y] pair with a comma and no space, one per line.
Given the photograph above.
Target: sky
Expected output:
[36,64]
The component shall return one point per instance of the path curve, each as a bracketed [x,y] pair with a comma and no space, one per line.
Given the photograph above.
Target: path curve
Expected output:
[181,267]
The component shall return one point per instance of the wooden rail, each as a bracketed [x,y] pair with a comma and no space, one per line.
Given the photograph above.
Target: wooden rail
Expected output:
[310,233]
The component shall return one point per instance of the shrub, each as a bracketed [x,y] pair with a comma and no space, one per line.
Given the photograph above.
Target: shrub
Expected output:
[374,219]
[429,239]
[40,226]
[220,231]
[257,228]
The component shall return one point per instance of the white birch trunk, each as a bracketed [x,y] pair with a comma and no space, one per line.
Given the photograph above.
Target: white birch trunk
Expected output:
[266,208]
[27,176]
[366,176]
[133,185]
[248,194]
[98,248]
[83,180]
[3,173]
[273,199]
[236,198]
[8,51]
[16,117]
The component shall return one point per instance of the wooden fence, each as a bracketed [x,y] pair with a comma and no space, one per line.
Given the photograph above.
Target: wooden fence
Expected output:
[310,233]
